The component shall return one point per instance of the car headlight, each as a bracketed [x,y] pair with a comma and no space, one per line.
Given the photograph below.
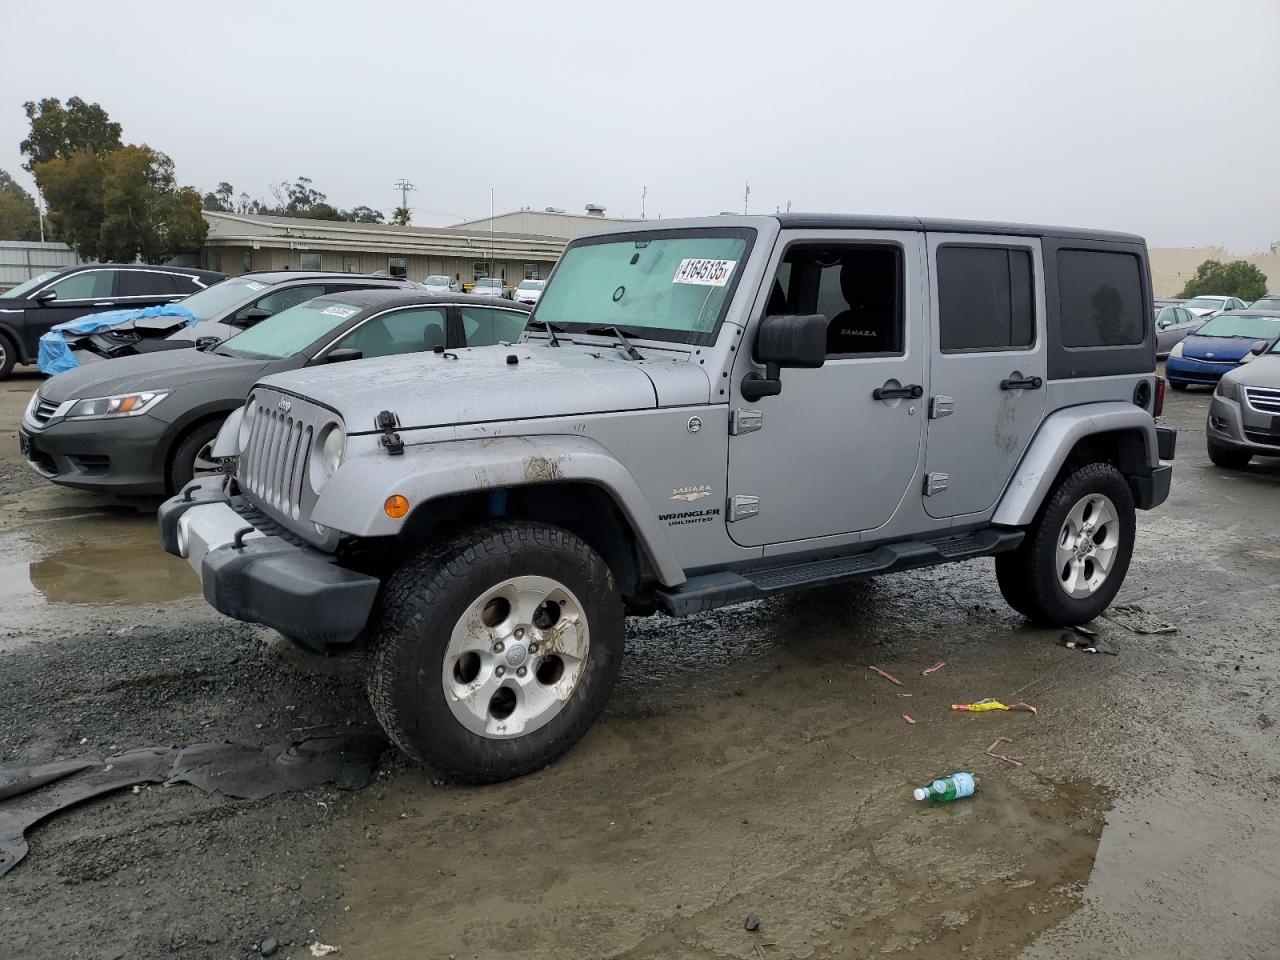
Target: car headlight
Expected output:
[1228,389]
[1177,349]
[330,451]
[124,405]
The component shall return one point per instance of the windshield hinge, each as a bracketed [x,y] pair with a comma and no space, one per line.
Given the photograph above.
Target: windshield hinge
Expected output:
[387,422]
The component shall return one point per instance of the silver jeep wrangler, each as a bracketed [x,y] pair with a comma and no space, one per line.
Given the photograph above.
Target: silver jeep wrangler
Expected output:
[700,412]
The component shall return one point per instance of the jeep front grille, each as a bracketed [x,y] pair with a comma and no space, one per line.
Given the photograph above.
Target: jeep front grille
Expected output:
[275,461]
[1263,399]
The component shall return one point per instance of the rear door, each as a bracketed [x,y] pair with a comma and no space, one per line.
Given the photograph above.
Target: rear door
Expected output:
[146,288]
[987,367]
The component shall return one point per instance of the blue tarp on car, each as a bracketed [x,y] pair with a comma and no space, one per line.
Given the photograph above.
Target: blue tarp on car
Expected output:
[55,355]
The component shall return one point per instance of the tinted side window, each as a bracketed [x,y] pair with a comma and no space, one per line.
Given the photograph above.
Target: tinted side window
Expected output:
[89,285]
[1100,296]
[985,298]
[283,299]
[146,283]
[400,331]
[858,288]
[482,326]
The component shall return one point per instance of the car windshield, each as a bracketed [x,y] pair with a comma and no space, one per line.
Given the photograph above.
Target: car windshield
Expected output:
[1205,303]
[1253,326]
[667,286]
[1266,303]
[488,283]
[289,331]
[22,289]
[214,302]
[436,282]
[531,284]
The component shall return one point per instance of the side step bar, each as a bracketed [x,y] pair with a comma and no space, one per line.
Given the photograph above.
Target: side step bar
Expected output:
[721,589]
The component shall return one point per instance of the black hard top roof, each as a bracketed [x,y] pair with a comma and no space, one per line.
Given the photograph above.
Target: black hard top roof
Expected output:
[839,221]
[382,298]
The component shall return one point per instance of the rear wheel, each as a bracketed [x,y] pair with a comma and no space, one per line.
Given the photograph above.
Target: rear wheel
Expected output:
[493,653]
[193,456]
[1077,550]
[8,356]
[1228,457]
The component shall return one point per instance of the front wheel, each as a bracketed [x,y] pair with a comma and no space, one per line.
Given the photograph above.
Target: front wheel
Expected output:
[494,652]
[1077,551]
[8,356]
[193,457]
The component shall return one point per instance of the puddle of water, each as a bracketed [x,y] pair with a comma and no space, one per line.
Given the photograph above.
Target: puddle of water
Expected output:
[91,561]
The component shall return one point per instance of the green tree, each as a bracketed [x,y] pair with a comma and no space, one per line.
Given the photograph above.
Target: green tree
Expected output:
[221,199]
[361,215]
[19,218]
[72,186]
[401,217]
[1238,278]
[58,131]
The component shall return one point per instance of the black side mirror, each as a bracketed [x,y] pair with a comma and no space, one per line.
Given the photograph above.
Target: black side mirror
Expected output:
[253,316]
[1260,346]
[343,354]
[45,296]
[785,341]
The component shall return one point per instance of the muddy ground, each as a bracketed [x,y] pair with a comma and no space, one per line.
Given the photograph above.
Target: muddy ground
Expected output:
[749,764]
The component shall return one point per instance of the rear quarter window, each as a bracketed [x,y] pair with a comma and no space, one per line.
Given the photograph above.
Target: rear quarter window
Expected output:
[1100,297]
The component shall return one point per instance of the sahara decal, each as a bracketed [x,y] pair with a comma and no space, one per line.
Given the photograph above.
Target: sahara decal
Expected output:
[690,494]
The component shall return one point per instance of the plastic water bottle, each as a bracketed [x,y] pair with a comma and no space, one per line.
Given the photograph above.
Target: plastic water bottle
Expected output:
[949,788]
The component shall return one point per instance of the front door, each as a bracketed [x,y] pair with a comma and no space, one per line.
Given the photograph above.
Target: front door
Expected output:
[837,451]
[986,367]
[79,294]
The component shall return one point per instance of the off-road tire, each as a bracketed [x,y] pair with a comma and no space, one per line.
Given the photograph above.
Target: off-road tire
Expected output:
[180,470]
[1227,457]
[10,351]
[1028,577]
[420,604]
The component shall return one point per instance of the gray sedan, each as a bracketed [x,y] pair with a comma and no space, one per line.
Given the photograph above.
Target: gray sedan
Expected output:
[1172,325]
[1244,415]
[146,424]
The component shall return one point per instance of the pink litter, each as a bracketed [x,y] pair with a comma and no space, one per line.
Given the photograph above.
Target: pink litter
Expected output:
[934,669]
[888,676]
[907,718]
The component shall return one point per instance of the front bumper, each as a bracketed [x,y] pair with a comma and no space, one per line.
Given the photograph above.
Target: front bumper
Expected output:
[120,455]
[259,577]
[1190,370]
[1234,424]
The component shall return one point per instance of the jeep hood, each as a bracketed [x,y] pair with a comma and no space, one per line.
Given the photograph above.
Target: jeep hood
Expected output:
[480,385]
[1224,349]
[152,371]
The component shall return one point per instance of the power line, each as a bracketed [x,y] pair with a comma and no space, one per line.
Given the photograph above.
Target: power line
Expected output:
[404,186]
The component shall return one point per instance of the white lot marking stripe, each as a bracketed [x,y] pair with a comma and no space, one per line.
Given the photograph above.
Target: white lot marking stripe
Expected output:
[705,273]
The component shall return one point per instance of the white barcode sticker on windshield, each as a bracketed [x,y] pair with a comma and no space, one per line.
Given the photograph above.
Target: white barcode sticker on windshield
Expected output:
[706,273]
[255,285]
[338,310]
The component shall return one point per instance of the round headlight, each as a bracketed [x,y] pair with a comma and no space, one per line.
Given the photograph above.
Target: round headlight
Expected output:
[330,450]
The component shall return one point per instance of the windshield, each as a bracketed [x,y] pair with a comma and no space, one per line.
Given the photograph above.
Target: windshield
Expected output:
[489,283]
[1241,325]
[290,331]
[436,282]
[672,287]
[531,284]
[22,289]
[213,302]
[1205,303]
[1266,303]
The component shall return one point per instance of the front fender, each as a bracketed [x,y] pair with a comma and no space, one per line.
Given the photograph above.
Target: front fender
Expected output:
[1059,433]
[352,500]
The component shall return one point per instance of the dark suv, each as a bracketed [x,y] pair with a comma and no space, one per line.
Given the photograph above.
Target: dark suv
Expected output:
[224,310]
[30,309]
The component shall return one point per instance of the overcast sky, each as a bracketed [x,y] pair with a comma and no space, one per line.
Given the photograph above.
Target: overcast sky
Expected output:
[1156,116]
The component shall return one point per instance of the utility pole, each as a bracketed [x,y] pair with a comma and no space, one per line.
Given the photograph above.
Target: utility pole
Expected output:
[746,198]
[404,186]
[40,211]
[644,192]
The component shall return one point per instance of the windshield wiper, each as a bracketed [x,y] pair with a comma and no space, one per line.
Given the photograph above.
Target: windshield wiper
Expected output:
[627,347]
[552,329]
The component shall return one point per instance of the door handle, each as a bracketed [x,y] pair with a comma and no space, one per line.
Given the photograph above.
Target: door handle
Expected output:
[1021,383]
[105,303]
[911,391]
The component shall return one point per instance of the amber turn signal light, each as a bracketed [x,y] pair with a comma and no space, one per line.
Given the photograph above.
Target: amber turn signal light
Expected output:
[396,507]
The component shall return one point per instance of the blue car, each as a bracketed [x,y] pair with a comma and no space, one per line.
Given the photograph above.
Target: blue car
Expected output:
[1220,344]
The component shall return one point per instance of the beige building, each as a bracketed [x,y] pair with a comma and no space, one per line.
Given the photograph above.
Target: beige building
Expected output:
[1172,267]
[502,246]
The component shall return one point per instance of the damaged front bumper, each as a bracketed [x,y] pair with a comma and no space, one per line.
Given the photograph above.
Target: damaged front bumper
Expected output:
[259,577]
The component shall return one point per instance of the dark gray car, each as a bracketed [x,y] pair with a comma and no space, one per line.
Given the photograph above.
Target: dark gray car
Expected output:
[144,424]
[1244,415]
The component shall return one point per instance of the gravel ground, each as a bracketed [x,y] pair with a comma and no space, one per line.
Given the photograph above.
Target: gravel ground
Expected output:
[749,764]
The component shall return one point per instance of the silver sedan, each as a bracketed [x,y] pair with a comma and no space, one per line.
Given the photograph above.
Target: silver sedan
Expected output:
[1172,325]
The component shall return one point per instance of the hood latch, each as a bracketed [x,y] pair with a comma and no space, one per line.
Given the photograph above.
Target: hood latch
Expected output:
[387,422]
